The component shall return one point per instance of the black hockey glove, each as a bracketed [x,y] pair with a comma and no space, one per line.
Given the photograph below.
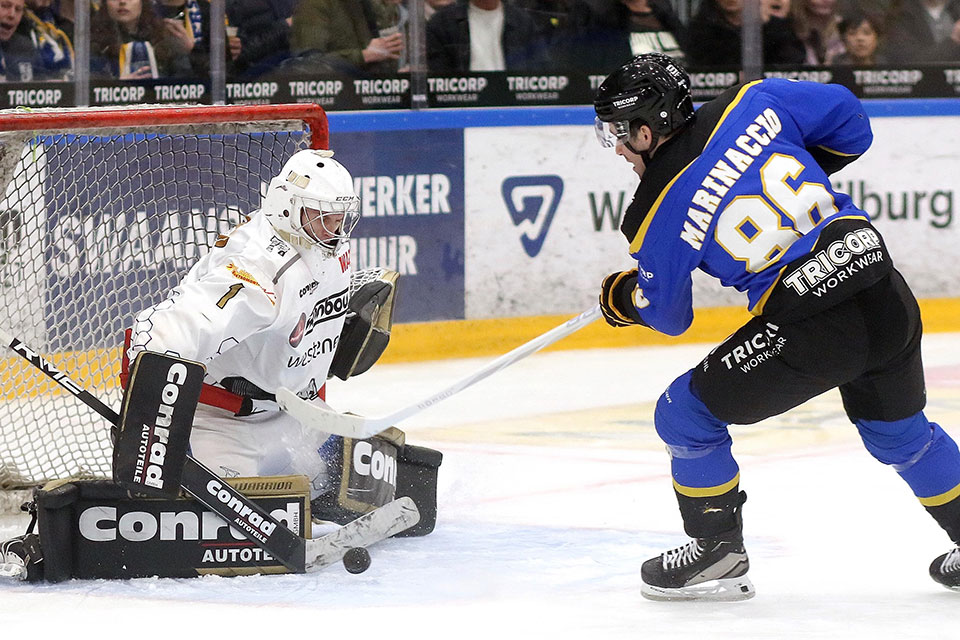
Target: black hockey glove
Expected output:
[616,299]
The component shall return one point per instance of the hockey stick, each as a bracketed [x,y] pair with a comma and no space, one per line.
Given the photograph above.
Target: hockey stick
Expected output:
[326,419]
[297,554]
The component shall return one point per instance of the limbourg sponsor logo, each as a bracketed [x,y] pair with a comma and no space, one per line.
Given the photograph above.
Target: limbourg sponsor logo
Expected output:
[329,308]
[532,202]
[153,440]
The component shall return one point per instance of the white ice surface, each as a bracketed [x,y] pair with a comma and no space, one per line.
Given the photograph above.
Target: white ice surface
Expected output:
[553,490]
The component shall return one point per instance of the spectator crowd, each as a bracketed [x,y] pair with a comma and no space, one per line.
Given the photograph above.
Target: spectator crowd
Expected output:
[145,39]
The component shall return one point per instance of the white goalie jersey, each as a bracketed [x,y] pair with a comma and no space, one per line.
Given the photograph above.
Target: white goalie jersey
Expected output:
[257,308]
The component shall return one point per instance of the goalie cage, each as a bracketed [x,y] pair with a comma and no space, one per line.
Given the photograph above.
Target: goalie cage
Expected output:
[104,211]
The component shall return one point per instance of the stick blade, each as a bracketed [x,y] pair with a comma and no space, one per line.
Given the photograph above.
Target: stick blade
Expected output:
[324,418]
[379,524]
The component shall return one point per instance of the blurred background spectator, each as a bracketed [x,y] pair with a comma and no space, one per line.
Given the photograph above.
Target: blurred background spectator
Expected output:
[924,31]
[129,41]
[188,23]
[817,25]
[59,13]
[861,33]
[52,43]
[430,7]
[353,36]
[483,35]
[714,34]
[262,38]
[29,49]
[550,17]
[602,33]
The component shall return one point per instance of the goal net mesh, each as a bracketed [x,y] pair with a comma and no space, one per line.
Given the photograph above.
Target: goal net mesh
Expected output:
[96,224]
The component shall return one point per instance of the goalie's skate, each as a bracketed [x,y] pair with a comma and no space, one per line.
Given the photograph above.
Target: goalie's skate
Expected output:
[702,569]
[946,569]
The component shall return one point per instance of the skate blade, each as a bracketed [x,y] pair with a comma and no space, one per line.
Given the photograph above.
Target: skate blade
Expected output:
[727,590]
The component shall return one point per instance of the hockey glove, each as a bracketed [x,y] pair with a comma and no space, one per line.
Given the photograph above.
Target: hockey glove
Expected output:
[616,299]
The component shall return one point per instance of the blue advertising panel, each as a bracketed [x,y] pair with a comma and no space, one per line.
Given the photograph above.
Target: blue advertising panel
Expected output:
[411,188]
[132,213]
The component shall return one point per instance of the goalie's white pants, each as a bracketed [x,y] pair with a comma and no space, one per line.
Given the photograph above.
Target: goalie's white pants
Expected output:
[271,443]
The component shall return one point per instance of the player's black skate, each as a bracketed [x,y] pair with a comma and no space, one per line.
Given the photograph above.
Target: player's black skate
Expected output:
[712,566]
[946,569]
[702,569]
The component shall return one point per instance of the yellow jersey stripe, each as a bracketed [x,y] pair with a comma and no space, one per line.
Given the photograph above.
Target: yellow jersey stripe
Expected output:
[835,152]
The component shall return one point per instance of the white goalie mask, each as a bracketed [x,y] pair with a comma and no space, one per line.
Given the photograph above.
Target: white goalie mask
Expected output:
[312,202]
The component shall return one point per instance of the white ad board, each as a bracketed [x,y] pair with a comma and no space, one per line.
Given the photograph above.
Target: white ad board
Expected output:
[543,206]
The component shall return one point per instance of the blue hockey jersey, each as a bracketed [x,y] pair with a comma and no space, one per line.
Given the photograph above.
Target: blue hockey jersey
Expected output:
[741,193]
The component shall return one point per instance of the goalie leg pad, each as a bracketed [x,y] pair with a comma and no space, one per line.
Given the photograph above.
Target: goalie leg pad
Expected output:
[362,477]
[366,329]
[367,474]
[154,431]
[95,529]
[417,469]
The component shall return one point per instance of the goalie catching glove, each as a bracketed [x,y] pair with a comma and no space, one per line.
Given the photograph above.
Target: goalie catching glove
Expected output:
[366,329]
[618,299]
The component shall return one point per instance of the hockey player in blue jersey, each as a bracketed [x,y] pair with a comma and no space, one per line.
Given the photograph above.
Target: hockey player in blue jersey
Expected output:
[740,190]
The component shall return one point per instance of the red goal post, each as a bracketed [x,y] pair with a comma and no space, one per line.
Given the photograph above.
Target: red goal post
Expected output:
[103,210]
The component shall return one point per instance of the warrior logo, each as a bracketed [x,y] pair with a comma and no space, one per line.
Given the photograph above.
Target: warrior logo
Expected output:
[532,202]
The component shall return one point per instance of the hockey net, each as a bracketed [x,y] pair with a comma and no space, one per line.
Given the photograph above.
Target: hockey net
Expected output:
[104,211]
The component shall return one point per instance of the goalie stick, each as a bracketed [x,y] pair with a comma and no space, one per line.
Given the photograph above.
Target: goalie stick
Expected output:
[325,419]
[298,554]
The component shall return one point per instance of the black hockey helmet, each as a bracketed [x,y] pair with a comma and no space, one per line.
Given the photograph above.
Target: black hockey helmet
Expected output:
[653,88]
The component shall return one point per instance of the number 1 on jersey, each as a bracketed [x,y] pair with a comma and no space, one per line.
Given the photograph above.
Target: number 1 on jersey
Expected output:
[232,291]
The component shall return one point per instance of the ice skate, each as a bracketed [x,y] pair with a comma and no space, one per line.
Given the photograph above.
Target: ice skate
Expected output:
[702,569]
[946,569]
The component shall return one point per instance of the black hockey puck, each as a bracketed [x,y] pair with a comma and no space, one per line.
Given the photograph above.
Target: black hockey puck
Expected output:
[356,560]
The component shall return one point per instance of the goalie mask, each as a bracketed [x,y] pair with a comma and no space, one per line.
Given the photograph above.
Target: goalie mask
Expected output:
[312,202]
